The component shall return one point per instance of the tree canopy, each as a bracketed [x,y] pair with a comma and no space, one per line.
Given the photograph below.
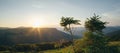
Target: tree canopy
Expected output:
[67,21]
[95,24]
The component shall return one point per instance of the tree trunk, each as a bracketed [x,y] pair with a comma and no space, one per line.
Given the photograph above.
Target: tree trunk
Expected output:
[70,30]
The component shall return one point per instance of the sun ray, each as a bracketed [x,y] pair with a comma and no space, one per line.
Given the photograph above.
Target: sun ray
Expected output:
[37,23]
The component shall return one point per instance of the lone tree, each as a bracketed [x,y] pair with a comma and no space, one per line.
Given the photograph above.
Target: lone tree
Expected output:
[66,23]
[93,40]
[94,24]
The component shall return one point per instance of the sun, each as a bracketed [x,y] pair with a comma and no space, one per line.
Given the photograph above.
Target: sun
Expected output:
[36,24]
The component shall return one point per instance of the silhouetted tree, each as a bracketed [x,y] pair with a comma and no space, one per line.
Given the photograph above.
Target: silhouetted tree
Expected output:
[94,24]
[66,23]
[94,39]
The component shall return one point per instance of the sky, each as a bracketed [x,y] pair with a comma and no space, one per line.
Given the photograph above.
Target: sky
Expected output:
[17,13]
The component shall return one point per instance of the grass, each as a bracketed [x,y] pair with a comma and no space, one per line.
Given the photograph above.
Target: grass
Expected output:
[66,49]
[62,50]
[115,43]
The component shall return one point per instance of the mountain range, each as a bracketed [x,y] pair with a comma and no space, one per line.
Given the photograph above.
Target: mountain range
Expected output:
[79,31]
[29,35]
[10,36]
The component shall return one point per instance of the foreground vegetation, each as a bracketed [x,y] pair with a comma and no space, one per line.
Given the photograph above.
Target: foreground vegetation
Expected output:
[113,45]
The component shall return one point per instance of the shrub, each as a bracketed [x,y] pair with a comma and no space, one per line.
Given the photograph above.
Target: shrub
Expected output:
[4,48]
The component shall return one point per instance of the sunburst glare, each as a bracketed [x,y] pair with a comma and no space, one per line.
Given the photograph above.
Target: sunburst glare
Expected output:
[36,24]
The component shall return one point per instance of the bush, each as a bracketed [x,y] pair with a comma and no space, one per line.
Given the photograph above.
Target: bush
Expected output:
[45,46]
[4,48]
[91,43]
[23,47]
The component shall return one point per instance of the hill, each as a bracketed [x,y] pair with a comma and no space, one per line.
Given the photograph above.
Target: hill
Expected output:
[114,36]
[29,35]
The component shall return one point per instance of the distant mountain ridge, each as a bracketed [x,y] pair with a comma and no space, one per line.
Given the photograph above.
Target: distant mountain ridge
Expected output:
[112,32]
[79,31]
[12,36]
[114,36]
[28,35]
